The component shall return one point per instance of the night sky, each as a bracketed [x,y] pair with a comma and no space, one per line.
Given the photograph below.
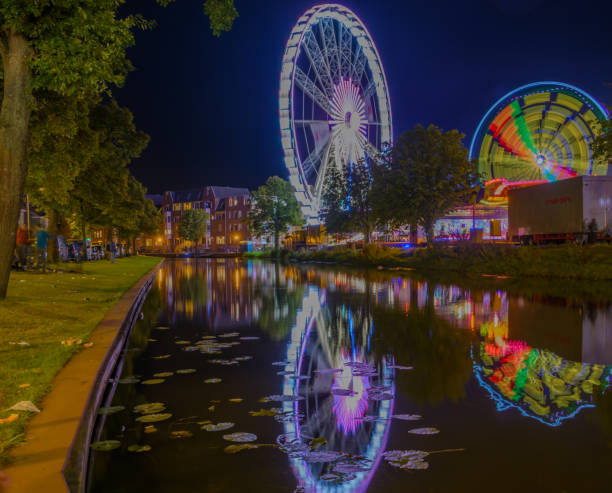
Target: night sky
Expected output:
[210,104]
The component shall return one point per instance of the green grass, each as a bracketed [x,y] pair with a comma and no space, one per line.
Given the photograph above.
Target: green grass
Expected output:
[43,310]
[591,262]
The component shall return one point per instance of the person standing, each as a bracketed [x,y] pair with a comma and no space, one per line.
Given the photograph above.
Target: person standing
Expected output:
[113,251]
[22,246]
[41,248]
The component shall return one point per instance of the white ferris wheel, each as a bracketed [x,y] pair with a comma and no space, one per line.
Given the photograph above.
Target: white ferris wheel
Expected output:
[334,105]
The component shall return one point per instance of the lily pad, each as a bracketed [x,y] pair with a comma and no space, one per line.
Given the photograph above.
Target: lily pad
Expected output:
[150,408]
[218,426]
[212,380]
[343,392]
[323,456]
[233,449]
[182,343]
[163,374]
[162,327]
[181,434]
[329,370]
[229,334]
[235,399]
[249,338]
[283,398]
[153,381]
[424,431]
[105,445]
[408,417]
[186,371]
[110,410]
[128,380]
[163,356]
[139,448]
[265,412]
[407,459]
[150,429]
[243,358]
[154,418]
[240,437]
[399,367]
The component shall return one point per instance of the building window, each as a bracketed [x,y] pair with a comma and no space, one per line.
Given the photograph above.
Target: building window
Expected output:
[176,207]
[186,206]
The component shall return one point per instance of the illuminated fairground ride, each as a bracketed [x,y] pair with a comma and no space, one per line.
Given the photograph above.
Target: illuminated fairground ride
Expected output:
[540,131]
[334,105]
[328,350]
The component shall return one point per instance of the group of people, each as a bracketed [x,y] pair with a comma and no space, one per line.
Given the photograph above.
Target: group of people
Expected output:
[31,249]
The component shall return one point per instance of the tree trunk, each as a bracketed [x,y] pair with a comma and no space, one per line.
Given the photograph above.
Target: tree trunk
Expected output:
[14,123]
[84,236]
[276,240]
[53,230]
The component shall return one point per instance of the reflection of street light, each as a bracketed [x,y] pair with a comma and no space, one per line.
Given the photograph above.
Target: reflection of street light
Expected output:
[605,203]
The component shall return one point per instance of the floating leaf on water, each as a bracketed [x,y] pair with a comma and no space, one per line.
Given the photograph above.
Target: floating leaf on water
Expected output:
[163,374]
[282,398]
[249,338]
[186,371]
[380,397]
[162,327]
[212,380]
[318,442]
[110,410]
[243,358]
[329,370]
[289,372]
[229,334]
[154,418]
[424,431]
[153,381]
[399,367]
[218,426]
[182,343]
[350,468]
[233,449]
[105,445]
[281,363]
[215,401]
[408,417]
[24,406]
[240,437]
[211,408]
[163,356]
[128,380]
[150,429]
[205,422]
[323,456]
[235,399]
[343,392]
[152,340]
[407,459]
[149,408]
[299,377]
[181,434]
[369,419]
[265,412]
[139,448]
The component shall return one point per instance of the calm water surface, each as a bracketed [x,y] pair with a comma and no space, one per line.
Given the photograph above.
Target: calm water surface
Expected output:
[517,388]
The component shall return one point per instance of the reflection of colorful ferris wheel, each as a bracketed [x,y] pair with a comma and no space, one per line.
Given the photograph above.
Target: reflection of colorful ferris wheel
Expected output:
[334,104]
[540,131]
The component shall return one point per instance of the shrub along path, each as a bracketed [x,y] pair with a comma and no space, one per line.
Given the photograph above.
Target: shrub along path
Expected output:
[46,319]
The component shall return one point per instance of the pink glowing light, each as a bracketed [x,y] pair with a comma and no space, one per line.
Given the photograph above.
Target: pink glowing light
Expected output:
[349,409]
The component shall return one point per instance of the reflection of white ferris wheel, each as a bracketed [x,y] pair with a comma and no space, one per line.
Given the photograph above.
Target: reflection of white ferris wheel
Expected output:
[334,103]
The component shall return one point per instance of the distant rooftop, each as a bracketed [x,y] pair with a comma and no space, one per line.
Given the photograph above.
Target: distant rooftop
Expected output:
[193,195]
[224,192]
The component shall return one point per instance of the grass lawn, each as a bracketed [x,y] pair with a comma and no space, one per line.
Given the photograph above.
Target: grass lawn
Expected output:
[41,311]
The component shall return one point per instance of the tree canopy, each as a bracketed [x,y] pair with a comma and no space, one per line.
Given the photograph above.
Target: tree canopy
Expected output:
[275,208]
[193,225]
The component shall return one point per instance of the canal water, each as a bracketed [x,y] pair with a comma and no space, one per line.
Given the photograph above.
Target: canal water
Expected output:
[253,376]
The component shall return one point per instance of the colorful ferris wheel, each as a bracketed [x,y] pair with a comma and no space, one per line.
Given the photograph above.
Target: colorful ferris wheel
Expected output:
[334,106]
[541,131]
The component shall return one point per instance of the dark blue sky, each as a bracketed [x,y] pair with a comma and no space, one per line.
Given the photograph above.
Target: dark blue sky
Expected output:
[210,104]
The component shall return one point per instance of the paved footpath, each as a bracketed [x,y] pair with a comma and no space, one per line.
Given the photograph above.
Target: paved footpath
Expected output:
[38,462]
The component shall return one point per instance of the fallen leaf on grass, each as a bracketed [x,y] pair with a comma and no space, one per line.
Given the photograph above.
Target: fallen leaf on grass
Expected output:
[105,445]
[139,448]
[88,345]
[72,342]
[424,431]
[240,437]
[24,385]
[10,419]
[25,406]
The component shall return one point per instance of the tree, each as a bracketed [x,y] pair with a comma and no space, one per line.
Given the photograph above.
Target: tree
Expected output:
[70,49]
[347,200]
[430,175]
[193,225]
[274,209]
[601,145]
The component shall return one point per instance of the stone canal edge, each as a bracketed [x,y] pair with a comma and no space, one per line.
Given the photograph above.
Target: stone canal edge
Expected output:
[53,457]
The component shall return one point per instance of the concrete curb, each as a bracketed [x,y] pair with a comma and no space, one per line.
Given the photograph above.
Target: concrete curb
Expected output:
[53,436]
